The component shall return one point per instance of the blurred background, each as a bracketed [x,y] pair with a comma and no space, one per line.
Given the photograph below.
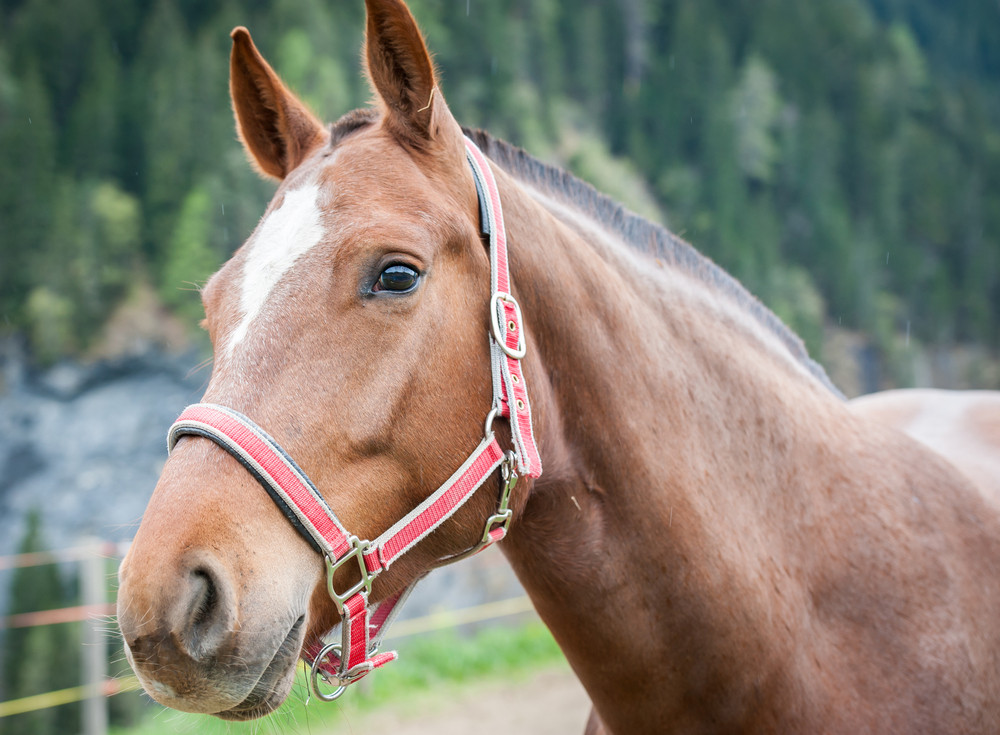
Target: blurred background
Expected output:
[840,157]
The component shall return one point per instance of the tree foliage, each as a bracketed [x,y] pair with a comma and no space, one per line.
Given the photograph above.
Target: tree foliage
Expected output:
[842,158]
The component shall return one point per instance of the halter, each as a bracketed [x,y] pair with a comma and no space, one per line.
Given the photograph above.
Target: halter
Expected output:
[363,626]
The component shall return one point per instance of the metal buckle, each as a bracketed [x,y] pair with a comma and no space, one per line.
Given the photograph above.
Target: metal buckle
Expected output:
[500,520]
[521,348]
[503,516]
[508,479]
[364,586]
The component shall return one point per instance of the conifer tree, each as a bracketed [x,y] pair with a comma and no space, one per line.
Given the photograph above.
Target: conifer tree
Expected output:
[871,127]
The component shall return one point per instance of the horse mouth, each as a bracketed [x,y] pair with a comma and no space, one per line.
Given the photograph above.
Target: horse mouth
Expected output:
[275,681]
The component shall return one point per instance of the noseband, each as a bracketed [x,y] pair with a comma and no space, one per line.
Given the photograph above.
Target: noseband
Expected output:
[362,626]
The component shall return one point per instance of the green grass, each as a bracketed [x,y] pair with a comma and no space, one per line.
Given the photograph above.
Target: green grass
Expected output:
[430,668]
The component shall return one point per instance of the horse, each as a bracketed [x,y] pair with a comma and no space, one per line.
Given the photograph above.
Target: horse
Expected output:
[963,426]
[717,540]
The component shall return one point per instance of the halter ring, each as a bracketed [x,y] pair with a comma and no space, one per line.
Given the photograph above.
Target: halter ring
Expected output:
[317,672]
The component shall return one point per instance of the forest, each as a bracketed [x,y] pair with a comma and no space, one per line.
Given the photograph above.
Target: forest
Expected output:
[840,157]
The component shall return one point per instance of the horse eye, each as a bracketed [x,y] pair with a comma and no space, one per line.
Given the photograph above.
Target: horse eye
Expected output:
[398,278]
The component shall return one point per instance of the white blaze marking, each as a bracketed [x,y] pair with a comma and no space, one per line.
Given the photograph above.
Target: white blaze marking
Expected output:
[286,234]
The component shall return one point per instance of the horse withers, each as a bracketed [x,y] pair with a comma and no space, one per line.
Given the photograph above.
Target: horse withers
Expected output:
[717,541]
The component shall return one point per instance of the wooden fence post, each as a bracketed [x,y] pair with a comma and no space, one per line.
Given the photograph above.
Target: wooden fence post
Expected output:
[93,584]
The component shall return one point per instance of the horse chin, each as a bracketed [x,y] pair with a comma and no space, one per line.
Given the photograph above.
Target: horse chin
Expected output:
[274,683]
[196,690]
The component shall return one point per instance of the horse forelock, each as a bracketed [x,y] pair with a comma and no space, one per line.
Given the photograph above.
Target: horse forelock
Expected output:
[352,122]
[645,237]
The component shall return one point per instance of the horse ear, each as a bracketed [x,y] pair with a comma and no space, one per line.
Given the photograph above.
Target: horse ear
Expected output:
[276,128]
[403,75]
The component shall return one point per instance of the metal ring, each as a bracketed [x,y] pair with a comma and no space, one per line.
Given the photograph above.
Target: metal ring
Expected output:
[317,672]
[488,428]
[521,349]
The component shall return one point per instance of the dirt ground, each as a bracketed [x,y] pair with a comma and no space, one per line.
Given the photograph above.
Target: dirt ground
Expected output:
[549,702]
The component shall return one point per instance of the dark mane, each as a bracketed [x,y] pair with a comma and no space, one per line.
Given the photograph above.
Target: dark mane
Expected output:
[643,235]
[638,232]
[350,122]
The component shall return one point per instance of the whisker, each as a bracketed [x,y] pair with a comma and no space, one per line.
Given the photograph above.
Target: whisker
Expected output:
[200,366]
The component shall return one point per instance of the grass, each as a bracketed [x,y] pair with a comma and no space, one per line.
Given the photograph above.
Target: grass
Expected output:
[428,672]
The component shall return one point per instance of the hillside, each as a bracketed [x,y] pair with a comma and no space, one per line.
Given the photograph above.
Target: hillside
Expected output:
[840,158]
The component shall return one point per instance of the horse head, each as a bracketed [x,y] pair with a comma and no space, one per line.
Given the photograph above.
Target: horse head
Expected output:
[353,325]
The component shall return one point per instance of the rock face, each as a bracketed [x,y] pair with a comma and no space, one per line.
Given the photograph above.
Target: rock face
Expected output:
[84,445]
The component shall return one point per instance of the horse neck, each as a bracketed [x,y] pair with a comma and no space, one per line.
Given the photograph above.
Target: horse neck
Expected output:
[667,422]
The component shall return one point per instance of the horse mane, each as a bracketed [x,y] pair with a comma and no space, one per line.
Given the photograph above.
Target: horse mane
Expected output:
[641,234]
[644,236]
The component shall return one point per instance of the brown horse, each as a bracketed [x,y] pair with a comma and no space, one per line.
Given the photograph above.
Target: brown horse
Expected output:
[718,542]
[962,426]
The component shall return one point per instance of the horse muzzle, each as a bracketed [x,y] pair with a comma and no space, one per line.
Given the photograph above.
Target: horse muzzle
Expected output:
[186,641]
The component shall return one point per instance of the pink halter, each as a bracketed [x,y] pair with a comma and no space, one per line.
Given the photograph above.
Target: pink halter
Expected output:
[362,627]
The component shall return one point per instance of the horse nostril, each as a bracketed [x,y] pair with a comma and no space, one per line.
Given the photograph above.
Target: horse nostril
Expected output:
[137,648]
[205,596]
[207,613]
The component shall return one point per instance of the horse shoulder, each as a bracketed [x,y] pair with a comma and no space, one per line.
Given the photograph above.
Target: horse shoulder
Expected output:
[962,426]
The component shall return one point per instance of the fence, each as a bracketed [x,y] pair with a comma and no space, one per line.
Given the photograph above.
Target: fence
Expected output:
[97,686]
[92,557]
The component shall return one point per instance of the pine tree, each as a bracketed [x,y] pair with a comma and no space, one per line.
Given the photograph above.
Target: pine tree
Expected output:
[27,179]
[870,126]
[91,138]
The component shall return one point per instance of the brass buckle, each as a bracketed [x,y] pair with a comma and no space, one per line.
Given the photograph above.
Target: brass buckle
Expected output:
[364,585]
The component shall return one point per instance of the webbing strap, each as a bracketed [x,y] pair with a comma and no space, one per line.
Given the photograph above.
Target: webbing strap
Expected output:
[278,473]
[437,508]
[507,328]
[300,501]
